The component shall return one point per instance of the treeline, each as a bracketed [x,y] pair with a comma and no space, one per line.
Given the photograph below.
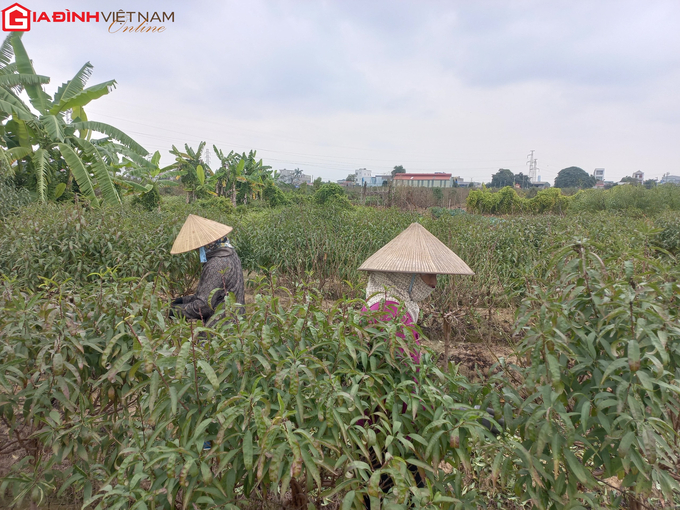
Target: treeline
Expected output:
[636,199]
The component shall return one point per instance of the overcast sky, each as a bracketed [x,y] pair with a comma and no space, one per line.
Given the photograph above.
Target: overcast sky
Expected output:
[464,87]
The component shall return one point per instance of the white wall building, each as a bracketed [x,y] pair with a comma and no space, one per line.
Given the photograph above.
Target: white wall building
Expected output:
[670,179]
[362,176]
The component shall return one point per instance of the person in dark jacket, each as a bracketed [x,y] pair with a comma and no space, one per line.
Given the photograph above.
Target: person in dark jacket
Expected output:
[222,273]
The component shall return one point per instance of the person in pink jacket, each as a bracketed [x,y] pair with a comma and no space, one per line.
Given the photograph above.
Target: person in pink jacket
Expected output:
[402,274]
[388,292]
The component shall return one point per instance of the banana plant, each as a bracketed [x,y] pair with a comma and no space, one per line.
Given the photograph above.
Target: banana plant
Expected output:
[242,175]
[145,173]
[186,170]
[49,139]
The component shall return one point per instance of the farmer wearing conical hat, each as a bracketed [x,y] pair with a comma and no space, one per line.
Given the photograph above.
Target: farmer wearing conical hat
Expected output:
[401,275]
[221,267]
[404,272]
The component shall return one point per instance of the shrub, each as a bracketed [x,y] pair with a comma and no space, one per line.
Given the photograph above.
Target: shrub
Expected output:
[298,398]
[68,241]
[149,200]
[669,236]
[328,191]
[629,198]
[218,205]
[11,197]
[549,200]
[507,201]
[273,195]
[598,394]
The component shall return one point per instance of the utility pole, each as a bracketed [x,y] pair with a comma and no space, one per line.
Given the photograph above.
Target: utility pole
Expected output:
[207,157]
[533,168]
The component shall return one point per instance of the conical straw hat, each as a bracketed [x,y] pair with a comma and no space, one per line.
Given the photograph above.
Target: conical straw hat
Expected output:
[416,250]
[197,232]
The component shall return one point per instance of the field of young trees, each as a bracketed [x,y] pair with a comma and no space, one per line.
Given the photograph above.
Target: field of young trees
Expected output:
[107,402]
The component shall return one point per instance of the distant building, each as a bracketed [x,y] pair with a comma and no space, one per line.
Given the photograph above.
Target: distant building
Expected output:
[599,174]
[639,176]
[379,180]
[362,176]
[670,179]
[294,177]
[345,183]
[435,180]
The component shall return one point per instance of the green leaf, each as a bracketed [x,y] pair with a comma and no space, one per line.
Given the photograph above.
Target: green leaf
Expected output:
[311,466]
[182,358]
[39,99]
[54,127]
[495,467]
[585,414]
[576,466]
[74,85]
[59,189]
[40,164]
[111,132]
[153,390]
[83,97]
[633,350]
[210,373]
[16,153]
[101,173]
[173,400]
[348,500]
[626,442]
[79,172]
[614,365]
[6,53]
[12,105]
[200,174]
[21,80]
[554,366]
[248,450]
[133,185]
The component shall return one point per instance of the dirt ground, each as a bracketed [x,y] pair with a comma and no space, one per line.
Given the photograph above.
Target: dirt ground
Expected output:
[477,339]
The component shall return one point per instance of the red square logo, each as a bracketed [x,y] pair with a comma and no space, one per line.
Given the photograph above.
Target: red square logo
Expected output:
[16,18]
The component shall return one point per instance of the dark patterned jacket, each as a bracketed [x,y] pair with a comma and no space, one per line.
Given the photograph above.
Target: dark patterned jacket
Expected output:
[222,271]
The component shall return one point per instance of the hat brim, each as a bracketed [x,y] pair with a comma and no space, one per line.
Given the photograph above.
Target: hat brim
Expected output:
[197,232]
[416,250]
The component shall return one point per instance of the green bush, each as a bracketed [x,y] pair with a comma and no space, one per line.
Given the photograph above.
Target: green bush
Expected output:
[71,242]
[328,191]
[669,236]
[117,400]
[126,401]
[598,394]
[629,198]
[438,212]
[150,200]
[273,195]
[217,205]
[507,201]
[325,244]
[12,198]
